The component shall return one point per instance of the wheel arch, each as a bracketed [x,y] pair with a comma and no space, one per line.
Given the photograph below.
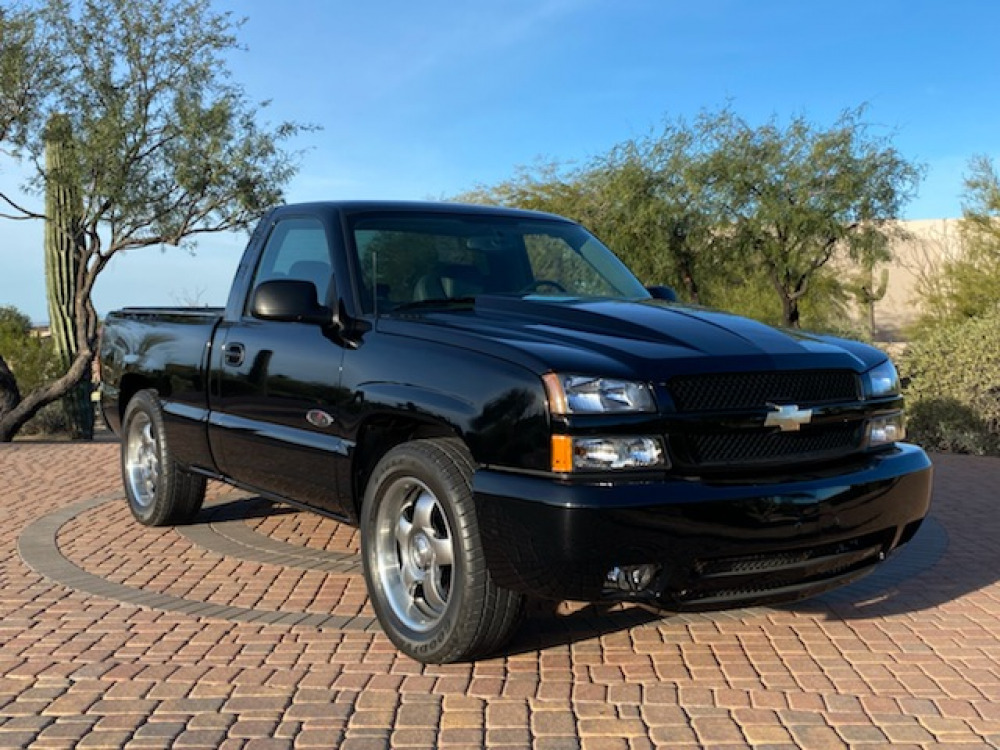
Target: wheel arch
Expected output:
[131,384]
[380,434]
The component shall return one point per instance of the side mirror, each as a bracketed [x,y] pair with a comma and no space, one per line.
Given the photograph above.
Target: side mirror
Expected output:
[290,300]
[665,293]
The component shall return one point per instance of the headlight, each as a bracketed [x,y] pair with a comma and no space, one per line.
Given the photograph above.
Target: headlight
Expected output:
[882,381]
[585,394]
[607,452]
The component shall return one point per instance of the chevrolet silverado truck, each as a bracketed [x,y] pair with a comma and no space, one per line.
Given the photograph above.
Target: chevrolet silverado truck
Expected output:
[505,411]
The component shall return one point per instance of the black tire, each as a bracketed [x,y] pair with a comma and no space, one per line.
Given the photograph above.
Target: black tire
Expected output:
[159,491]
[423,558]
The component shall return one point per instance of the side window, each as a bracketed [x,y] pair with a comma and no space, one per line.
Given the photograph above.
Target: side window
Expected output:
[296,249]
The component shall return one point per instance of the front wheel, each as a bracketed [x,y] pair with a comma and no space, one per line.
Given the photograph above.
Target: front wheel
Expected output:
[159,491]
[423,559]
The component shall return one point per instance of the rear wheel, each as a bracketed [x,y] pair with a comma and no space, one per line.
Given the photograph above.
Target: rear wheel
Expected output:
[159,491]
[423,558]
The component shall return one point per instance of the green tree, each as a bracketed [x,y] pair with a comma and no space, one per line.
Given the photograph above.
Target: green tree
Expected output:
[981,209]
[967,285]
[548,186]
[647,198]
[655,203]
[726,212]
[15,329]
[24,67]
[168,146]
[797,197]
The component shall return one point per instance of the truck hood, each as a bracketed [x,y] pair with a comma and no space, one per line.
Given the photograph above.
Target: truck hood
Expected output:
[646,340]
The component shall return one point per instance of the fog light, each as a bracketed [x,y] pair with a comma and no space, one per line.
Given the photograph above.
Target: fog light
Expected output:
[631,578]
[885,430]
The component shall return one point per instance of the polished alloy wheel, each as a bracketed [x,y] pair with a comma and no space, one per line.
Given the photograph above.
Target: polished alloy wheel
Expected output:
[414,548]
[142,460]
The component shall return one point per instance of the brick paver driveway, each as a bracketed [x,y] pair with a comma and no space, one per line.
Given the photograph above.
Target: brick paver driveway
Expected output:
[250,628]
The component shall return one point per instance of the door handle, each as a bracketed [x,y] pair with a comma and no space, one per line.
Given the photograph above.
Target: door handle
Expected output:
[233,354]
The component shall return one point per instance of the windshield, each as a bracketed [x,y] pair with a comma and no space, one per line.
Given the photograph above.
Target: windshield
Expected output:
[408,260]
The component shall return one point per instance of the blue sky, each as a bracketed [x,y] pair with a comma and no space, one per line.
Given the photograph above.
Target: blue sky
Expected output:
[427,99]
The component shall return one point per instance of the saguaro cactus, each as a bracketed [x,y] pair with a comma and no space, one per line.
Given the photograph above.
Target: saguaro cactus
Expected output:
[868,290]
[63,227]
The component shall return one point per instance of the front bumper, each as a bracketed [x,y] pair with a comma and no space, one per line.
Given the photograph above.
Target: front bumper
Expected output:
[708,544]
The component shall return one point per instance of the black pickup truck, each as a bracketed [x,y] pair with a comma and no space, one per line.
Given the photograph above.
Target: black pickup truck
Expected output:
[504,410]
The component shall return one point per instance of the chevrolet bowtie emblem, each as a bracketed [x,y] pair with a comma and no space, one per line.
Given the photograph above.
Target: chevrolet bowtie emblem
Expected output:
[788,418]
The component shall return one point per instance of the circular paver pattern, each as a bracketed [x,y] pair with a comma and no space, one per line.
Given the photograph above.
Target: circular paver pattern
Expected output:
[281,583]
[251,629]
[291,567]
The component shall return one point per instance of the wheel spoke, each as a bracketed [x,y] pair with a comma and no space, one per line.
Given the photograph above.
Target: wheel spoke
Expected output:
[412,611]
[404,530]
[410,578]
[432,591]
[423,511]
[443,552]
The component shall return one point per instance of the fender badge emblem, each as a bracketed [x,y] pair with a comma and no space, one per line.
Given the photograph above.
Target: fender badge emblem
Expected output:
[787,418]
[319,418]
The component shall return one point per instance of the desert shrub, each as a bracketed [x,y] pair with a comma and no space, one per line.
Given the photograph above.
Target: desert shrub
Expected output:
[945,424]
[34,363]
[28,356]
[953,390]
[50,420]
[965,288]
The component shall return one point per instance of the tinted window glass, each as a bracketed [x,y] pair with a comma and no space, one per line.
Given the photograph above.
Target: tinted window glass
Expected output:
[408,258]
[297,249]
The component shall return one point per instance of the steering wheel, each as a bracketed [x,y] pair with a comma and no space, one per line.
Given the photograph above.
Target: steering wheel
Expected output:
[537,284]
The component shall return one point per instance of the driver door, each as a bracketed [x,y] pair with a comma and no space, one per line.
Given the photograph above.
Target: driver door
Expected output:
[277,383]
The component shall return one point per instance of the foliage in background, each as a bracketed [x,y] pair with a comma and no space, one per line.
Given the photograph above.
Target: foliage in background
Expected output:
[868,286]
[167,146]
[953,361]
[827,309]
[64,248]
[953,394]
[648,199]
[968,286]
[36,363]
[751,219]
[797,198]
[30,355]
[24,64]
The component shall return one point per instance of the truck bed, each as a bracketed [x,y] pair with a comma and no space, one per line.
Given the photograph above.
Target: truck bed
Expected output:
[166,347]
[168,313]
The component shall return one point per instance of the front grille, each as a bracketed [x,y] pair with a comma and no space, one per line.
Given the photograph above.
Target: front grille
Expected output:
[746,448]
[733,391]
[722,442]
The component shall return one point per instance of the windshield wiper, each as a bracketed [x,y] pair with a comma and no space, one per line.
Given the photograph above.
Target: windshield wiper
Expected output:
[437,302]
